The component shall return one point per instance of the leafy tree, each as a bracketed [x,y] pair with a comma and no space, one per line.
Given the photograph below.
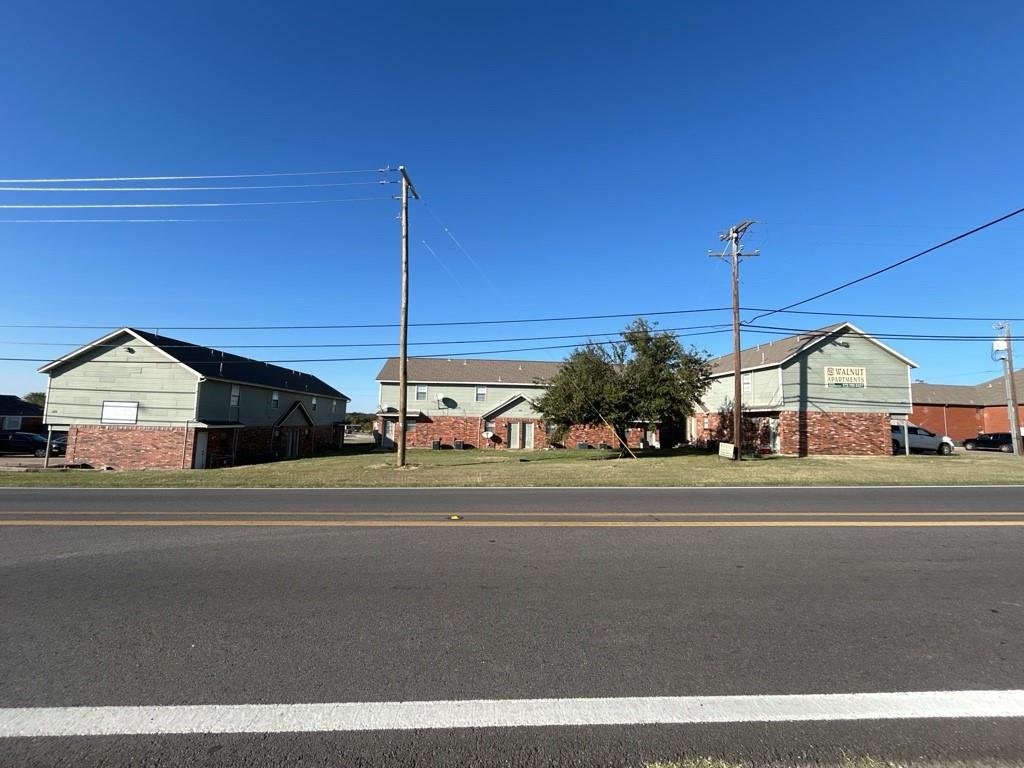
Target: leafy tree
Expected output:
[36,398]
[648,377]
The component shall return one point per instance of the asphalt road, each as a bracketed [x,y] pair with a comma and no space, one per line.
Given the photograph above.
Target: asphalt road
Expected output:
[132,614]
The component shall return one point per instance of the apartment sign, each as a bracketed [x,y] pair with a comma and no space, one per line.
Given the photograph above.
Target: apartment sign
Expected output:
[844,376]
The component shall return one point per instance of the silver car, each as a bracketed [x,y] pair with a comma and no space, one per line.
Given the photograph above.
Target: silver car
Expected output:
[920,440]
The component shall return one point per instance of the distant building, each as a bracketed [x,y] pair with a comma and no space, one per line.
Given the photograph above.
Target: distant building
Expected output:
[962,411]
[136,400]
[19,416]
[835,390]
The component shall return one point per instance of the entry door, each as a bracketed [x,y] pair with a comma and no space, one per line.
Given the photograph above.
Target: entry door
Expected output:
[528,436]
[514,436]
[200,455]
[389,434]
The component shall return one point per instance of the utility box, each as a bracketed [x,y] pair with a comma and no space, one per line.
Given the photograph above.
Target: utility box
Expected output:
[435,445]
[458,445]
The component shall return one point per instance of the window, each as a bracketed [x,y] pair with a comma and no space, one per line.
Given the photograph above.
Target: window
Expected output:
[748,383]
[312,403]
[334,406]
[421,391]
[410,426]
[275,400]
[481,394]
[235,395]
[116,412]
[488,426]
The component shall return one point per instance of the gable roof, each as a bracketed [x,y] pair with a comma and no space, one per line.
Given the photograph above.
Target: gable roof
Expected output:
[507,404]
[214,364]
[780,351]
[12,405]
[431,370]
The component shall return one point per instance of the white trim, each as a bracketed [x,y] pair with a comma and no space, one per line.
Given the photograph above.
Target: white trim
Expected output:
[98,342]
[469,383]
[42,722]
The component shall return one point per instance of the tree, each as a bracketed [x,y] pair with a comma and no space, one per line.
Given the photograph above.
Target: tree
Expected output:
[647,377]
[36,398]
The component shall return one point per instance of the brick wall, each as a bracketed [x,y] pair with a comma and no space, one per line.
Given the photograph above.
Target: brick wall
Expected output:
[834,434]
[131,447]
[470,430]
[957,421]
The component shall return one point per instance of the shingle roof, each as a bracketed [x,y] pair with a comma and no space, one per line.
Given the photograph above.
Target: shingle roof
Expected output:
[946,394]
[472,371]
[991,392]
[224,366]
[773,353]
[12,405]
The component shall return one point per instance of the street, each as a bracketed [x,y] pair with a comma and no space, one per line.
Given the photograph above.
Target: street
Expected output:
[163,598]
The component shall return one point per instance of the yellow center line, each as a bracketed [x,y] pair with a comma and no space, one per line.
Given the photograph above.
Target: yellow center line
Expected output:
[519,513]
[521,523]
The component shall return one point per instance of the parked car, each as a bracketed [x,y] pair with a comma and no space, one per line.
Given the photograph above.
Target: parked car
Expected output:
[25,443]
[59,444]
[920,440]
[990,441]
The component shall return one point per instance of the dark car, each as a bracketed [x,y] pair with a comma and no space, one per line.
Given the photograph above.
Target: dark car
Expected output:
[59,444]
[990,441]
[23,443]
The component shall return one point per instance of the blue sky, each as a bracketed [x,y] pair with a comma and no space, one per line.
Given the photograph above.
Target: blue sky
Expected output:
[584,155]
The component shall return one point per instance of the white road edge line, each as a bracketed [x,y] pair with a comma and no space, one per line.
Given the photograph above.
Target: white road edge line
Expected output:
[407,715]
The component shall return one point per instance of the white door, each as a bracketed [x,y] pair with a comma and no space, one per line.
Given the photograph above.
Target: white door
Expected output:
[389,434]
[513,436]
[200,455]
[528,436]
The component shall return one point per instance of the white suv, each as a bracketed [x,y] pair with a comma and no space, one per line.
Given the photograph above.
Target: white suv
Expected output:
[920,440]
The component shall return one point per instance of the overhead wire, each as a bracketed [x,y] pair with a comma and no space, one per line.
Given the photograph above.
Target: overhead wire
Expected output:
[892,266]
[216,188]
[276,174]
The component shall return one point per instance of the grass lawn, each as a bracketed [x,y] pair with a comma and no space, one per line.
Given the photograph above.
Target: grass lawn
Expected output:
[357,467]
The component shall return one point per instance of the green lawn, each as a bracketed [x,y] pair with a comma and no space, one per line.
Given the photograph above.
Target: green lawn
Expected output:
[357,467]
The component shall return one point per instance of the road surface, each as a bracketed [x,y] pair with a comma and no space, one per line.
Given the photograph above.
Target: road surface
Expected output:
[541,601]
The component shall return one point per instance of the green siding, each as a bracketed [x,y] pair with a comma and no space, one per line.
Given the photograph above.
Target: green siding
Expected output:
[461,398]
[888,380]
[255,405]
[765,394]
[164,390]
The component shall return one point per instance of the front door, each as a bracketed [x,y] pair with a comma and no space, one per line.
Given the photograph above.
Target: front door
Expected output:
[528,436]
[388,440]
[513,435]
[200,454]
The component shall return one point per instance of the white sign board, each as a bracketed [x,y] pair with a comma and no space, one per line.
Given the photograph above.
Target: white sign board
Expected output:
[845,376]
[115,412]
[727,450]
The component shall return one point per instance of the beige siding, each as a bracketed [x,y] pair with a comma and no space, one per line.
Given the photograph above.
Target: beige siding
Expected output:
[888,382]
[164,390]
[459,399]
[255,405]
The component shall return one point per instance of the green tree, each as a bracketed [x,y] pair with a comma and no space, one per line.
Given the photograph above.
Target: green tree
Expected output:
[36,398]
[648,377]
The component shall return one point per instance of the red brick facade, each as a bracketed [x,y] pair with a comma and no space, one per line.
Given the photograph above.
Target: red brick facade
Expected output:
[805,433]
[131,447]
[135,447]
[470,429]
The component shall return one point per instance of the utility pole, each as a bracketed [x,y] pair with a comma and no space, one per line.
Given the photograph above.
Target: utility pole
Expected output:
[734,235]
[1011,384]
[403,332]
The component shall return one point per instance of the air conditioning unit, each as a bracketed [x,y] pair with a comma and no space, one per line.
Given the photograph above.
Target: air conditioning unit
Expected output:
[458,445]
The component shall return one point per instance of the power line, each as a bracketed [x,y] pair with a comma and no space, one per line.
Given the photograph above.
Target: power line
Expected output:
[199,189]
[188,205]
[191,178]
[362,344]
[959,318]
[447,323]
[899,263]
[118,221]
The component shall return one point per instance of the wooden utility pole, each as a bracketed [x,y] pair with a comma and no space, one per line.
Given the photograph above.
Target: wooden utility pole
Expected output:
[734,235]
[1011,387]
[403,332]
